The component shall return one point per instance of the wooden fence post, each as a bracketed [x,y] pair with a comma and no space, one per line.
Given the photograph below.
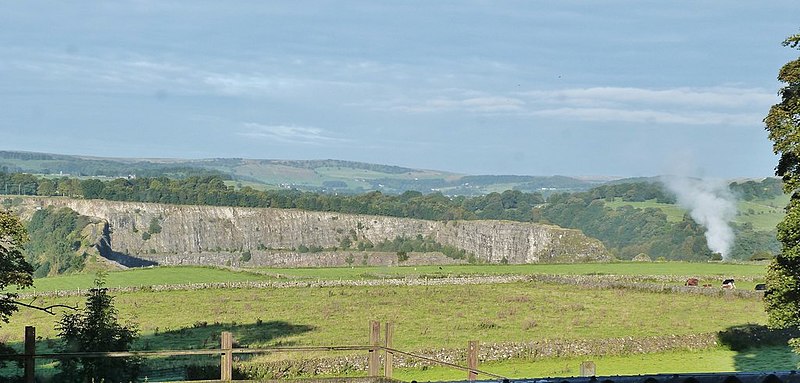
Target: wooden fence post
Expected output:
[588,368]
[472,360]
[388,358]
[30,351]
[374,341]
[226,363]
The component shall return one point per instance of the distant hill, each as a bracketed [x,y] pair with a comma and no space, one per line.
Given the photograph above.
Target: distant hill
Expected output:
[337,176]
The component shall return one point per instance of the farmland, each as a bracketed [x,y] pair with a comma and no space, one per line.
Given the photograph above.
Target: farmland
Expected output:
[762,214]
[433,317]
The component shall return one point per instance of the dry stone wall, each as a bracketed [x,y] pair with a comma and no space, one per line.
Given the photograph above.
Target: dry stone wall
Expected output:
[188,233]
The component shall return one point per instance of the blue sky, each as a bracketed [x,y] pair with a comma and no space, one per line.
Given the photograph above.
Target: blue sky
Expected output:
[615,88]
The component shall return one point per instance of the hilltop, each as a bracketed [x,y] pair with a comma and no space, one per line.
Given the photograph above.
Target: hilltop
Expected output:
[338,176]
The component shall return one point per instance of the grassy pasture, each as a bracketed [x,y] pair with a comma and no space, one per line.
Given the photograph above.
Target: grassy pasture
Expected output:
[426,316]
[713,360]
[617,268]
[430,317]
[674,213]
[764,215]
[191,274]
[146,277]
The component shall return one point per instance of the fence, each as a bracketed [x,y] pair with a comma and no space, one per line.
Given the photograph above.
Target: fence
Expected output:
[376,347]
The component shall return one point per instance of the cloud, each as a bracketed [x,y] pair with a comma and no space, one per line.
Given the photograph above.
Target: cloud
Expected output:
[694,98]
[290,134]
[650,116]
[683,106]
[486,104]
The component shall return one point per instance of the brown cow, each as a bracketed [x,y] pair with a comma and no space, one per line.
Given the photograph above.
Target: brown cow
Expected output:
[692,282]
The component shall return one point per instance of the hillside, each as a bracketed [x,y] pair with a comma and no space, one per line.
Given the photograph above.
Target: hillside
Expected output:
[139,234]
[311,175]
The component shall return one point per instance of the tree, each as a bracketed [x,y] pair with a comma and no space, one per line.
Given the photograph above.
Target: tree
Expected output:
[14,270]
[783,124]
[97,329]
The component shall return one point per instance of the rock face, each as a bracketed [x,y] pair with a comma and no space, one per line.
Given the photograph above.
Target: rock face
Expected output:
[181,234]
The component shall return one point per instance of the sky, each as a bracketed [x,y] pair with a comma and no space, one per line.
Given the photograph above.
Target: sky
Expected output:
[576,88]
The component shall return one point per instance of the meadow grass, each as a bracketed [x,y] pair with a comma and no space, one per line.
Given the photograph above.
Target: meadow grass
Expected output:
[164,275]
[428,317]
[170,275]
[763,214]
[425,316]
[674,212]
[686,269]
[698,361]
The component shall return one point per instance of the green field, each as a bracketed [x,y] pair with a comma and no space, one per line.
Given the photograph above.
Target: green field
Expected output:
[711,360]
[189,274]
[764,215]
[617,268]
[145,277]
[431,317]
[674,213]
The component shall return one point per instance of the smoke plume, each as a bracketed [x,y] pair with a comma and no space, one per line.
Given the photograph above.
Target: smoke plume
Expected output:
[712,205]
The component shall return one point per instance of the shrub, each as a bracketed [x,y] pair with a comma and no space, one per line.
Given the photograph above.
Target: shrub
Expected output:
[155,226]
[743,337]
[402,256]
[246,256]
[96,329]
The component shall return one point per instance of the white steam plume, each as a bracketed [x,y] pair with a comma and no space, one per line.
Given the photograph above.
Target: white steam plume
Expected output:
[711,204]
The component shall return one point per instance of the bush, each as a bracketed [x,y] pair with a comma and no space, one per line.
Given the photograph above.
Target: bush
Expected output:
[402,256]
[155,226]
[246,256]
[96,329]
[762,255]
[743,337]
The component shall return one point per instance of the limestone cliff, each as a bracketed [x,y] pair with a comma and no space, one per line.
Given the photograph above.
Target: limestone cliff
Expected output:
[180,234]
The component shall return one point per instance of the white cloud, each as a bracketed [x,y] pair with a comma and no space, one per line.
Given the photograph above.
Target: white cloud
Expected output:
[290,134]
[650,116]
[489,104]
[693,98]
[683,106]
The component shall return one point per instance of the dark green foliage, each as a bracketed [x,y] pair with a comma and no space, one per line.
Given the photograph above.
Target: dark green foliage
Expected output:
[14,270]
[55,237]
[750,190]
[18,183]
[628,231]
[96,329]
[92,188]
[783,124]
[420,244]
[155,226]
[345,243]
[743,337]
[634,192]
[246,256]
[402,256]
